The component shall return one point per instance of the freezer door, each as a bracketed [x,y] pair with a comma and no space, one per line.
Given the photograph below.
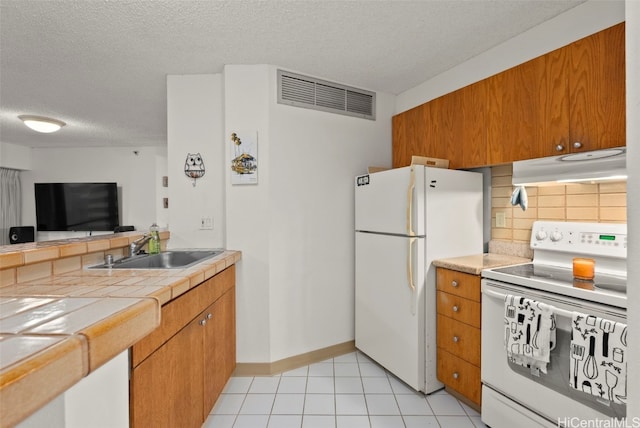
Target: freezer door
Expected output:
[453,213]
[391,201]
[390,304]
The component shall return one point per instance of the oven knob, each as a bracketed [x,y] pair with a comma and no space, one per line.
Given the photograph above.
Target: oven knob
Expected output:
[541,235]
[556,236]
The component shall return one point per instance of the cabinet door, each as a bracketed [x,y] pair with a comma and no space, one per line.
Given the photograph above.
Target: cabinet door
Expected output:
[460,375]
[166,390]
[472,142]
[409,136]
[219,347]
[597,89]
[552,127]
[527,110]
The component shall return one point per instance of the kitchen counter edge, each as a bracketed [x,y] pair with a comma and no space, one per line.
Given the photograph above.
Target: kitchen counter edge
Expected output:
[475,263]
[37,378]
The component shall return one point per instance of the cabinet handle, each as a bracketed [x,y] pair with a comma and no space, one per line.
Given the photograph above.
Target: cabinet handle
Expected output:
[455,339]
[454,283]
[203,322]
[455,308]
[577,145]
[209,316]
[456,375]
[559,148]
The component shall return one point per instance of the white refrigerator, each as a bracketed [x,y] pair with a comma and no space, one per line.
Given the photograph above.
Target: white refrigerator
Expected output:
[404,219]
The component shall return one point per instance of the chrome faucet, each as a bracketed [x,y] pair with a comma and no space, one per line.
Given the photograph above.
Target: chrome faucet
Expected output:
[135,247]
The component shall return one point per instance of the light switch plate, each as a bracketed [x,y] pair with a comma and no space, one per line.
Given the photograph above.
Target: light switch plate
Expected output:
[206,223]
[501,219]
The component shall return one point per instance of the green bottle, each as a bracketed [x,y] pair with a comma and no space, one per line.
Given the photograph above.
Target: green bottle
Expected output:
[154,242]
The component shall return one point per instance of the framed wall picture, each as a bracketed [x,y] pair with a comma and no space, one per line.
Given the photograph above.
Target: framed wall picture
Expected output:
[244,157]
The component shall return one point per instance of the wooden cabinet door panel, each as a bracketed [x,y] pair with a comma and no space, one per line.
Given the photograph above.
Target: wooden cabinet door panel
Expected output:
[219,347]
[511,135]
[597,88]
[459,375]
[460,339]
[166,389]
[528,109]
[409,136]
[459,308]
[472,145]
[552,126]
[458,283]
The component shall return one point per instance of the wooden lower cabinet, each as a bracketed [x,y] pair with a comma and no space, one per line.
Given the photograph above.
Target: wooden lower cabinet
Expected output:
[220,361]
[166,388]
[460,375]
[179,370]
[458,333]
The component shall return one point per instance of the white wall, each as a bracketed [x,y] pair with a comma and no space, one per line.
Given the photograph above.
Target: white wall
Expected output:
[581,21]
[314,157]
[195,125]
[633,198]
[246,101]
[15,157]
[136,176]
[295,227]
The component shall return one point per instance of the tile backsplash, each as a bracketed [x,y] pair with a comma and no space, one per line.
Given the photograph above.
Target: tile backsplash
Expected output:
[596,203]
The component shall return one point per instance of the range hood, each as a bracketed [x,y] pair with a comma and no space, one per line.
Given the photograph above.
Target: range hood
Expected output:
[595,166]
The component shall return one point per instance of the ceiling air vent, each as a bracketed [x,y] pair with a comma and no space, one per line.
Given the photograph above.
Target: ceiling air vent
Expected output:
[308,92]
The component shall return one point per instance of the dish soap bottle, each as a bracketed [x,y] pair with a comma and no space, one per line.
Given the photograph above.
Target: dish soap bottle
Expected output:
[154,242]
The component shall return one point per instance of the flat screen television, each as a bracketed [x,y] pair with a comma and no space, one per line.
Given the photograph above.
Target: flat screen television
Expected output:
[77,206]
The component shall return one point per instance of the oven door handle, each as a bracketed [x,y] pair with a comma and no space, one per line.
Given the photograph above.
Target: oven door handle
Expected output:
[503,297]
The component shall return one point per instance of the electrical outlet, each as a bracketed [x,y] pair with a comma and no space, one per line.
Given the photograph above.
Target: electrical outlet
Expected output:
[206,223]
[501,219]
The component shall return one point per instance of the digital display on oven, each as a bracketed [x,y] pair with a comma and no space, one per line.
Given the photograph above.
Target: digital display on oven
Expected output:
[608,237]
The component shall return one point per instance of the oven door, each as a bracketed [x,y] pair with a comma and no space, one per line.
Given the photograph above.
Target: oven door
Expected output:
[547,395]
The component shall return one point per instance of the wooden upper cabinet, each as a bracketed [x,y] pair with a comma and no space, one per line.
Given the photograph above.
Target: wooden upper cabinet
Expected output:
[597,90]
[569,100]
[409,135]
[473,136]
[449,127]
[527,110]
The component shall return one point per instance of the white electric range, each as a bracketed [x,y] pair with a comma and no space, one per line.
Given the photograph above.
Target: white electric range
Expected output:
[517,396]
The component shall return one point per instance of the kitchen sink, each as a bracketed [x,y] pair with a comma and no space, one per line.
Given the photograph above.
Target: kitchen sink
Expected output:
[179,259]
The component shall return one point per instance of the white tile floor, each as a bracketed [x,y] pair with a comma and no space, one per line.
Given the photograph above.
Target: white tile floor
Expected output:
[349,391]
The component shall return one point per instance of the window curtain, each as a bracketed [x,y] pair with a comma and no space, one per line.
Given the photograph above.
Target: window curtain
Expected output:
[10,202]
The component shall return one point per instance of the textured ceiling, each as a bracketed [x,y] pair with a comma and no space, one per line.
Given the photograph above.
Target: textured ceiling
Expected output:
[101,66]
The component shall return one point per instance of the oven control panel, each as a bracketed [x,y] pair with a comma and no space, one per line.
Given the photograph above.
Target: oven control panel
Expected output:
[600,239]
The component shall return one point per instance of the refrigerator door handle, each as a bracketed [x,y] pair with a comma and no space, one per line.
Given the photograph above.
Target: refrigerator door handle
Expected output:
[412,285]
[410,189]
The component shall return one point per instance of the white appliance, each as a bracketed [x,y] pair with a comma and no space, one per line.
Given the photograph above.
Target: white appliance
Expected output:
[593,166]
[516,396]
[404,219]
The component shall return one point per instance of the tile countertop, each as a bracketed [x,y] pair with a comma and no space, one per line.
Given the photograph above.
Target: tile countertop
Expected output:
[58,329]
[474,264]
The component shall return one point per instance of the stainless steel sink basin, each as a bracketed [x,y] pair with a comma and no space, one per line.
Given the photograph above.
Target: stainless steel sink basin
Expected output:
[164,260]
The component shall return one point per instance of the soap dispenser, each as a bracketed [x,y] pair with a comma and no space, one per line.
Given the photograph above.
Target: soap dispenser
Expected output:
[154,242]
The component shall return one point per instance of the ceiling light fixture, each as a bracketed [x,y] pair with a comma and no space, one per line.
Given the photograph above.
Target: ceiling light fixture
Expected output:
[42,124]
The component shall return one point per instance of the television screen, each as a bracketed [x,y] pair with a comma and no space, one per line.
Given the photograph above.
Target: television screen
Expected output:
[77,206]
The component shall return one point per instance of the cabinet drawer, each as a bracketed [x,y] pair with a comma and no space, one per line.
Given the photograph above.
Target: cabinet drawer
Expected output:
[458,283]
[459,375]
[459,308]
[459,339]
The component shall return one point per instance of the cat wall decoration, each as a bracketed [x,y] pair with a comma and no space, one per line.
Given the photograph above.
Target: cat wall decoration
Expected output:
[194,166]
